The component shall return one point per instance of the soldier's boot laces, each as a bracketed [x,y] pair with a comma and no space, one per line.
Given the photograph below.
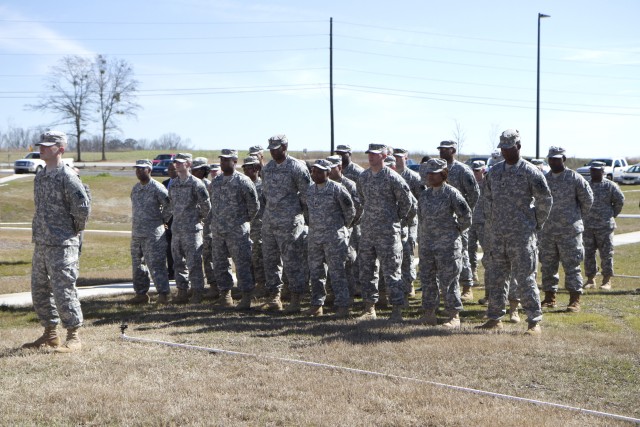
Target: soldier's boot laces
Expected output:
[342,313]
[533,329]
[574,302]
[549,299]
[225,300]
[369,311]
[428,318]
[467,293]
[514,317]
[606,283]
[396,314]
[294,303]
[260,291]
[140,299]
[182,297]
[72,344]
[49,338]
[314,311]
[274,303]
[491,325]
[245,301]
[453,322]
[591,282]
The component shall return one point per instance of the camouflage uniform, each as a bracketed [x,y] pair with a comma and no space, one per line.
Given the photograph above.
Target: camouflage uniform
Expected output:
[386,201]
[561,237]
[61,212]
[331,211]
[207,237]
[190,206]
[517,202]
[476,231]
[256,237]
[409,244]
[150,211]
[284,187]
[599,224]
[354,237]
[443,216]
[234,203]
[353,171]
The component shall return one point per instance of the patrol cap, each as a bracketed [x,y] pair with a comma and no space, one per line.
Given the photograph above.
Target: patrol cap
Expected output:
[199,162]
[182,157]
[389,161]
[434,165]
[277,140]
[215,166]
[497,155]
[343,148]
[53,137]
[556,152]
[144,163]
[322,164]
[400,152]
[228,153]
[377,149]
[251,160]
[509,138]
[448,144]
[477,165]
[597,165]
[256,149]
[334,160]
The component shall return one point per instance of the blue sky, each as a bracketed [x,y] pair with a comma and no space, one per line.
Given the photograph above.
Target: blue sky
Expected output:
[230,74]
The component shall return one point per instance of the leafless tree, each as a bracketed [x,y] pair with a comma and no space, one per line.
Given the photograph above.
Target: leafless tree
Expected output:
[116,91]
[459,135]
[70,90]
[494,134]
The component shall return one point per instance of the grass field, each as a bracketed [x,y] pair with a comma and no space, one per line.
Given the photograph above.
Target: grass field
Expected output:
[590,359]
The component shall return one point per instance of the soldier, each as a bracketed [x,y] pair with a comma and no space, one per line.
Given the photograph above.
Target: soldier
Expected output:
[409,244]
[477,226]
[461,177]
[171,170]
[599,225]
[285,184]
[251,167]
[444,215]
[390,162]
[517,202]
[349,169]
[258,152]
[150,213]
[190,206]
[386,201]
[214,170]
[561,237]
[234,204]
[61,211]
[331,212]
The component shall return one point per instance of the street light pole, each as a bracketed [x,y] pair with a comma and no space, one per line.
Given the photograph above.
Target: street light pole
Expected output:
[540,15]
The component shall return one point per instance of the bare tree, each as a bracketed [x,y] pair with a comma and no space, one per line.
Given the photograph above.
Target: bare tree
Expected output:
[459,135]
[493,136]
[70,87]
[115,94]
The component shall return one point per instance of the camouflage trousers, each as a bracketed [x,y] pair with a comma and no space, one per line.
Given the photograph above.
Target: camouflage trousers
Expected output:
[408,268]
[385,246]
[602,241]
[466,276]
[207,259]
[149,260]
[332,254]
[476,235]
[513,260]
[353,272]
[186,249]
[477,232]
[566,248]
[257,264]
[237,245]
[284,247]
[440,269]
[53,285]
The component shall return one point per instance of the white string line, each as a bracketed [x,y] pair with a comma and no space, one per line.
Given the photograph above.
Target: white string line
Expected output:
[380,374]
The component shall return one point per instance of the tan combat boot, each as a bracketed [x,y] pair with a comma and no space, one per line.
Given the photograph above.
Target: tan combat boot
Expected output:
[163,299]
[274,303]
[196,297]
[49,338]
[182,297]
[396,314]
[428,318]
[606,283]
[225,300]
[72,344]
[574,302]
[294,304]
[369,312]
[245,301]
[591,282]
[260,291]
[140,299]
[491,325]
[453,322]
[533,329]
[513,312]
[412,292]
[467,294]
[212,293]
[314,311]
[342,313]
[549,299]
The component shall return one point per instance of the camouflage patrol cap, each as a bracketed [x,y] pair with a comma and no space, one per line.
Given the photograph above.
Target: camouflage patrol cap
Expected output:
[228,153]
[556,152]
[249,161]
[390,161]
[53,137]
[400,152]
[434,165]
[214,166]
[377,149]
[478,165]
[200,162]
[334,160]
[497,156]
[277,140]
[144,163]
[509,138]
[597,165]
[448,144]
[182,158]
[256,149]
[322,164]
[343,148]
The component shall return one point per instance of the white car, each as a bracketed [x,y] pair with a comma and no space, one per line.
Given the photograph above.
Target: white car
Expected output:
[631,175]
[33,164]
[613,169]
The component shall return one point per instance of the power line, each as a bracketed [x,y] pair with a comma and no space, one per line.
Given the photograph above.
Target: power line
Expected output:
[220,52]
[169,38]
[266,70]
[32,21]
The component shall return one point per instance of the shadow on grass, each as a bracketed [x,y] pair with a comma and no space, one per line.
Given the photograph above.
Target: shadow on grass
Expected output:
[15,262]
[84,281]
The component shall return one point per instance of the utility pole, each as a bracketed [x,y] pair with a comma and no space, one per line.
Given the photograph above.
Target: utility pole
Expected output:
[331,79]
[540,15]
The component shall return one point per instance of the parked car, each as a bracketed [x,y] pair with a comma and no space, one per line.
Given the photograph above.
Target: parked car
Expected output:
[161,168]
[470,160]
[613,170]
[540,164]
[31,163]
[631,176]
[161,157]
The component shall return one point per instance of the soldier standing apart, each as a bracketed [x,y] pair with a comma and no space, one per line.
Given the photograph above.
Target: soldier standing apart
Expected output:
[234,204]
[150,213]
[285,184]
[599,225]
[444,216]
[561,237]
[190,206]
[461,177]
[408,246]
[331,212]
[386,201]
[251,168]
[517,202]
[476,231]
[171,170]
[61,212]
